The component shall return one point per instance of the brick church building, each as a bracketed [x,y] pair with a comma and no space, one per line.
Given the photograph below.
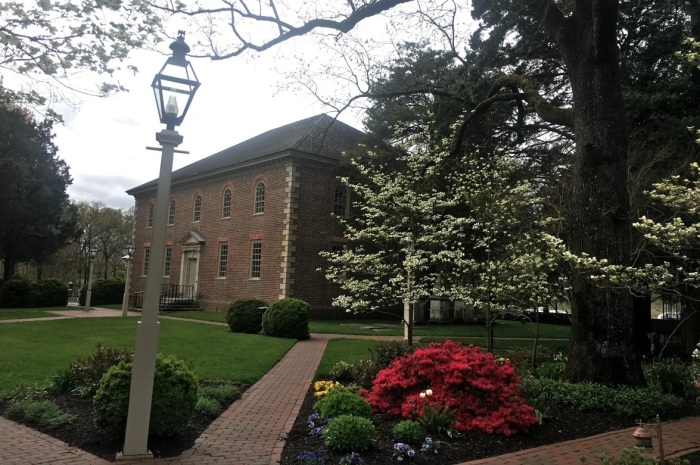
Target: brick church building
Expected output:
[251,220]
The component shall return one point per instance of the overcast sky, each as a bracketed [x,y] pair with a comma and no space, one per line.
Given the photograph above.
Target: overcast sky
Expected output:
[104,141]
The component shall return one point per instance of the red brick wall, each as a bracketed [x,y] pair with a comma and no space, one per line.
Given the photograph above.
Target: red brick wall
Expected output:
[314,228]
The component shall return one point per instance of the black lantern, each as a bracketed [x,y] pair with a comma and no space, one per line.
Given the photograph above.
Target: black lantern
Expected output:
[92,252]
[175,85]
[129,249]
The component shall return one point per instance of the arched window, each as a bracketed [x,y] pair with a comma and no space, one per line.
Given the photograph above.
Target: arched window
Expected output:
[259,198]
[197,211]
[171,213]
[340,200]
[149,221]
[226,204]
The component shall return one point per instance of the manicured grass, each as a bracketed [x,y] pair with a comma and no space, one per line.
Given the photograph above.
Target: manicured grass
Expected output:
[503,328]
[23,313]
[34,351]
[346,350]
[219,317]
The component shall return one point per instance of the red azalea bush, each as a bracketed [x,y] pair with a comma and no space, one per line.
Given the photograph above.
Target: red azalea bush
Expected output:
[483,393]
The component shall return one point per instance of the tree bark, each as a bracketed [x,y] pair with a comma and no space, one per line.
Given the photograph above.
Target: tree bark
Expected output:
[603,325]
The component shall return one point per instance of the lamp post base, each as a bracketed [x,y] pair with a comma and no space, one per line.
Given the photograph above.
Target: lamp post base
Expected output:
[130,458]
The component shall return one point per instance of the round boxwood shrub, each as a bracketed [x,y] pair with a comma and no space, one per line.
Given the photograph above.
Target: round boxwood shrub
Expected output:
[104,291]
[349,433]
[408,431]
[287,318]
[52,293]
[18,292]
[246,315]
[174,397]
[342,402]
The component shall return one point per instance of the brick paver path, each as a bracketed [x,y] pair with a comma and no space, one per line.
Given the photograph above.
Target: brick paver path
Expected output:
[252,430]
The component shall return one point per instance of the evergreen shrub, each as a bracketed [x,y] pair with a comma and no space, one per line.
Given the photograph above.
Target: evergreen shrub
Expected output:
[174,397]
[408,431]
[287,318]
[52,293]
[246,315]
[104,291]
[18,292]
[348,433]
[342,402]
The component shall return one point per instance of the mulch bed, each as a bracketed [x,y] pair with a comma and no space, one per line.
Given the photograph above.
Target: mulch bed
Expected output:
[562,425]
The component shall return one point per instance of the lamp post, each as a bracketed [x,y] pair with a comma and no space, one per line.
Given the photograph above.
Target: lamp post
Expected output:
[88,295]
[125,301]
[175,80]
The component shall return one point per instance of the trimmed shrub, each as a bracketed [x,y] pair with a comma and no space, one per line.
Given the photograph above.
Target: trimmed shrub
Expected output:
[287,318]
[104,291]
[348,433]
[633,402]
[483,394]
[246,315]
[52,293]
[174,397]
[408,431]
[18,292]
[342,402]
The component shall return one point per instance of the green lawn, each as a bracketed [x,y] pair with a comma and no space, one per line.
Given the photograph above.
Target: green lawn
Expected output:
[502,329]
[33,352]
[219,317]
[23,313]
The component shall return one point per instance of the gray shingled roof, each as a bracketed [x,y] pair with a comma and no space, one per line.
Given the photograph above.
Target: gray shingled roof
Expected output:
[319,135]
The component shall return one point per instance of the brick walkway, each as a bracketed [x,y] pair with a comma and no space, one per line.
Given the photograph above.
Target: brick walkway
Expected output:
[252,430]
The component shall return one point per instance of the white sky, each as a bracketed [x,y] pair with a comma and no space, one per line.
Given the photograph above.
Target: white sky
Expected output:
[104,141]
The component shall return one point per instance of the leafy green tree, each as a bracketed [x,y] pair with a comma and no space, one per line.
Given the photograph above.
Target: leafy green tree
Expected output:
[37,217]
[43,45]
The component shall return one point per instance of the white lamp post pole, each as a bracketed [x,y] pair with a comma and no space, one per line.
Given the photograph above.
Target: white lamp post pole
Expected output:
[144,367]
[175,80]
[88,294]
[127,277]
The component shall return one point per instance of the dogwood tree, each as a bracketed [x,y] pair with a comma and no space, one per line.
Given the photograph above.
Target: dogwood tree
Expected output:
[498,258]
[394,234]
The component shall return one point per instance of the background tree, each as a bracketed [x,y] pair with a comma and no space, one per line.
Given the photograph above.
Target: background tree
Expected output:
[37,217]
[107,229]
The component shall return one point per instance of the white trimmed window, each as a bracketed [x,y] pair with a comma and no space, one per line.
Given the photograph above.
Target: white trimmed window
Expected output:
[146,259]
[168,260]
[223,259]
[259,198]
[171,213]
[226,204]
[197,210]
[255,259]
[340,200]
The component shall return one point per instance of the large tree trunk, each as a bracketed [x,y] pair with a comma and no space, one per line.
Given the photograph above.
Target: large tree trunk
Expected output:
[603,345]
